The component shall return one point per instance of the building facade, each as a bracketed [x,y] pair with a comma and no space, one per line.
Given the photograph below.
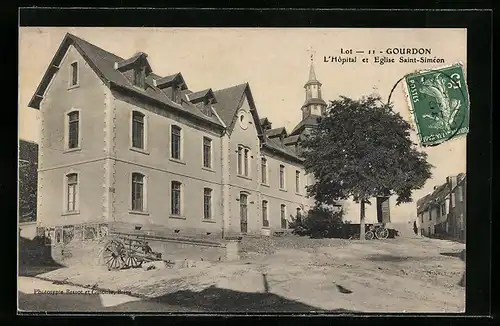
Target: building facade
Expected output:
[123,146]
[443,212]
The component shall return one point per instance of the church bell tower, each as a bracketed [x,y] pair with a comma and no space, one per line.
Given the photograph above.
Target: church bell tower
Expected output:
[314,104]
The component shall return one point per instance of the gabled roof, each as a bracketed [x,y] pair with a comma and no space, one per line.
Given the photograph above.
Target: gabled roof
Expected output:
[437,196]
[103,63]
[264,121]
[229,100]
[162,82]
[291,140]
[136,57]
[276,146]
[197,96]
[271,133]
[310,121]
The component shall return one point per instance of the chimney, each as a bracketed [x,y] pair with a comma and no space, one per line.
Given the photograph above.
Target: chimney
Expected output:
[451,181]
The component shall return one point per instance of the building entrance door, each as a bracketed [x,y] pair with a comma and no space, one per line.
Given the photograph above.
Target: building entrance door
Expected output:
[244,213]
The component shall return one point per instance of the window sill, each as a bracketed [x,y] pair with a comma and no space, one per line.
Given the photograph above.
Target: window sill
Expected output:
[138,213]
[265,184]
[177,217]
[266,227]
[207,220]
[73,86]
[70,150]
[70,213]
[298,194]
[243,177]
[177,161]
[283,189]
[139,150]
[208,169]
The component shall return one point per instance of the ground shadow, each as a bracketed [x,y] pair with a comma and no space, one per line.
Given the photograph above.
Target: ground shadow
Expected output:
[392,258]
[346,232]
[212,299]
[35,257]
[460,254]
[224,300]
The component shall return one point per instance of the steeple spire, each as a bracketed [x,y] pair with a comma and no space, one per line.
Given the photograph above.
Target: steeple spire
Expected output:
[314,104]
[312,73]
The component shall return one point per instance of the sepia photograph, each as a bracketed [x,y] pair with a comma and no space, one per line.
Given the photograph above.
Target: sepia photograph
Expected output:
[224,170]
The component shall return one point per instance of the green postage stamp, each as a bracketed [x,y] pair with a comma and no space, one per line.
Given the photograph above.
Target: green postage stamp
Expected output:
[439,103]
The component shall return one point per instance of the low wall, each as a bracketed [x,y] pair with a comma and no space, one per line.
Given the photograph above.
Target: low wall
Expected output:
[77,244]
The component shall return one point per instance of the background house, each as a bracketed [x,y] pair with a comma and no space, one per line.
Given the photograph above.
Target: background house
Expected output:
[442,213]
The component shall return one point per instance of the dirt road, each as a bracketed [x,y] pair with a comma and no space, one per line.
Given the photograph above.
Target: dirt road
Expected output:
[406,274]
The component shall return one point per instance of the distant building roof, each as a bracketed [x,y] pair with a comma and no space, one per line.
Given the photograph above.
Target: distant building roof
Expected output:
[437,196]
[291,139]
[271,133]
[309,121]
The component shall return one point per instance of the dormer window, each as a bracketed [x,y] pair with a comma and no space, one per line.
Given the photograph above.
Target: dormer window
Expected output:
[171,86]
[176,93]
[203,100]
[138,79]
[135,69]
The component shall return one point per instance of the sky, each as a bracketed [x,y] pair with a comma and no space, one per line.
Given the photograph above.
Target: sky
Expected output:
[275,62]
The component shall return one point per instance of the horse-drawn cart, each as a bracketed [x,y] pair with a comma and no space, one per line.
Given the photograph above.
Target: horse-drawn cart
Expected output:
[124,251]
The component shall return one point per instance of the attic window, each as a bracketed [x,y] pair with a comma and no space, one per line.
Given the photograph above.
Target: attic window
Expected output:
[176,93]
[138,79]
[205,107]
[74,74]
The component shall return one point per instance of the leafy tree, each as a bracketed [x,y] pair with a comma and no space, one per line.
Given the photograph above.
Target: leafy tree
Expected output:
[27,191]
[320,221]
[362,149]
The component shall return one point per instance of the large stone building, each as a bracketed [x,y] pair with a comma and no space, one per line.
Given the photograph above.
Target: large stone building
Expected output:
[122,145]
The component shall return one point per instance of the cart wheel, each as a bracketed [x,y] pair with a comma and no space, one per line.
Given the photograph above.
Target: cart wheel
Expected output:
[369,235]
[132,261]
[382,233]
[114,255]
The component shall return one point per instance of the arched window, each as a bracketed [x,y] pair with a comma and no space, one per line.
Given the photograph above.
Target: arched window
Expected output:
[265,220]
[283,216]
[207,203]
[282,176]
[175,146]
[243,212]
[138,134]
[72,192]
[73,129]
[176,198]
[137,192]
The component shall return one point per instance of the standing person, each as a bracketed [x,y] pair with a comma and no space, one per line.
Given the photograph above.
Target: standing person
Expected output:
[415,229]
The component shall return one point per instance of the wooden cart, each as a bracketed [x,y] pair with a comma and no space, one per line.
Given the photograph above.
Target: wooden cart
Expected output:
[122,251]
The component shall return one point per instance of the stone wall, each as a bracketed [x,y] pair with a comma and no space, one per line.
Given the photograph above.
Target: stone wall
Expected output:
[82,244]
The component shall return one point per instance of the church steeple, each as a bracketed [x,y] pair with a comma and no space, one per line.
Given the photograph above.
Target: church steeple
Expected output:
[314,104]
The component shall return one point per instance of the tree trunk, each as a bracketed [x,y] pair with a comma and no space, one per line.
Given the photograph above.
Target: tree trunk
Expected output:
[362,220]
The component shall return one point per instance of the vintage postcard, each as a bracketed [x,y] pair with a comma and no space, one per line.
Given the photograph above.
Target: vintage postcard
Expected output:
[222,170]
